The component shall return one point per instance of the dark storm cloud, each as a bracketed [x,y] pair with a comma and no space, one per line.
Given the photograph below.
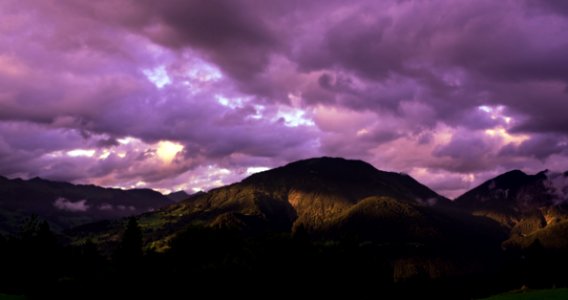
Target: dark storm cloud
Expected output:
[540,146]
[459,55]
[229,31]
[399,50]
[467,153]
[551,6]
[236,35]
[258,83]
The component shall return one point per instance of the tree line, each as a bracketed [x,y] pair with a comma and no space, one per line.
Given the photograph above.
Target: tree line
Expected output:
[214,263]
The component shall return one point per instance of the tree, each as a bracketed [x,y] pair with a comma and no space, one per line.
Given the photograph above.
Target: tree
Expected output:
[537,265]
[129,251]
[37,239]
[300,234]
[36,257]
[3,244]
[91,262]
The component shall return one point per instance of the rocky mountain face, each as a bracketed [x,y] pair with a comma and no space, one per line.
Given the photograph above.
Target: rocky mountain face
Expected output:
[530,207]
[66,205]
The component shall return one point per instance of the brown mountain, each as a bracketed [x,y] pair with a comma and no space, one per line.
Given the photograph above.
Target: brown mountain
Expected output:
[330,201]
[329,198]
[316,194]
[530,207]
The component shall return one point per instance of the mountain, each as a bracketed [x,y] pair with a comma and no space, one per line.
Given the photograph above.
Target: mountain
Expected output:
[178,196]
[531,207]
[329,199]
[314,194]
[327,227]
[66,205]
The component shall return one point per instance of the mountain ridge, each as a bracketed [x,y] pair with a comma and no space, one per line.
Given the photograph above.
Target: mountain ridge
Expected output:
[326,185]
[531,207]
[66,205]
[330,195]
[325,197]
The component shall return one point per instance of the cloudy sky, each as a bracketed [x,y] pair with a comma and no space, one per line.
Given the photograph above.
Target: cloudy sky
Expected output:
[178,94]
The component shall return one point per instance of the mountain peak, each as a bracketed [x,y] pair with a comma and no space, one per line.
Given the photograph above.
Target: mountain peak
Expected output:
[512,175]
[515,172]
[321,168]
[177,196]
[512,192]
[315,194]
[349,180]
[327,161]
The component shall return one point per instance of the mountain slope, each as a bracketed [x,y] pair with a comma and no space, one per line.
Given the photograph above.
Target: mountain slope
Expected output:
[329,201]
[311,193]
[530,206]
[320,189]
[329,198]
[65,205]
[178,196]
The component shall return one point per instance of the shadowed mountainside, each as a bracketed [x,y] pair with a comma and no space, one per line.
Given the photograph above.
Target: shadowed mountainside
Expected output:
[178,196]
[330,199]
[531,207]
[312,193]
[65,205]
[330,222]
[316,194]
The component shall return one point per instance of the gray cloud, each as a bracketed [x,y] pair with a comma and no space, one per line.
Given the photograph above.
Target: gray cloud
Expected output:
[77,206]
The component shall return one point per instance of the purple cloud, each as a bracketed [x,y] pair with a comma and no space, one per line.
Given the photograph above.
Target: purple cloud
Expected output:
[192,94]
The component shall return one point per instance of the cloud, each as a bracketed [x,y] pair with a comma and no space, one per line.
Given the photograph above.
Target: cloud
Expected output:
[557,185]
[551,6]
[105,206]
[68,205]
[540,146]
[451,87]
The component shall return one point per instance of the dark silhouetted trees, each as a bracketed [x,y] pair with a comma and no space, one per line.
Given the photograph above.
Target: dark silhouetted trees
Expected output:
[129,251]
[206,262]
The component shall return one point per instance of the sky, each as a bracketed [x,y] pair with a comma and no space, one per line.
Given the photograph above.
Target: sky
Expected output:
[194,94]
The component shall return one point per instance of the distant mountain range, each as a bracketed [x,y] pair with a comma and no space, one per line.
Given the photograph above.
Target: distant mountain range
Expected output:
[178,196]
[337,206]
[323,197]
[65,205]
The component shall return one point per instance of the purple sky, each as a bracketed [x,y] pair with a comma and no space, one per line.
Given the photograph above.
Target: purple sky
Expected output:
[179,94]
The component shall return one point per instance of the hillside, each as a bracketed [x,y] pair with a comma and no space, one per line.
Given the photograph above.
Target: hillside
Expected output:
[66,205]
[312,193]
[331,222]
[315,194]
[330,199]
[531,207]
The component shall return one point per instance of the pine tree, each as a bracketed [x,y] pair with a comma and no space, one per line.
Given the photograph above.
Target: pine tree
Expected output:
[37,255]
[129,251]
